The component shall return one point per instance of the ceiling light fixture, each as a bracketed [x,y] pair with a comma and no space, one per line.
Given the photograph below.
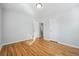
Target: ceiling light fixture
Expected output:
[39,5]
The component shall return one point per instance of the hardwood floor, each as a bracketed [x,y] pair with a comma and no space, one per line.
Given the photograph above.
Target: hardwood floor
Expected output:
[38,48]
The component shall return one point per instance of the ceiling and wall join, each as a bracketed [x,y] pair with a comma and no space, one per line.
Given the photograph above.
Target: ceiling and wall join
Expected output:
[60,19]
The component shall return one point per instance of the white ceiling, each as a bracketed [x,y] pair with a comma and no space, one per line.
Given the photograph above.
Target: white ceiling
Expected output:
[48,10]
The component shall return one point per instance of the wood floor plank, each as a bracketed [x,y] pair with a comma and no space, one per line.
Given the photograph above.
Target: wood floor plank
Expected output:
[38,48]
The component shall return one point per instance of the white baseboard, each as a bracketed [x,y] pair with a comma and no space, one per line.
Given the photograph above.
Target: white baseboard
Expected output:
[69,45]
[13,42]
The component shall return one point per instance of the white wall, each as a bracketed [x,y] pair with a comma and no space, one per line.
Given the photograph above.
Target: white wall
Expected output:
[0,24]
[16,26]
[19,26]
[65,29]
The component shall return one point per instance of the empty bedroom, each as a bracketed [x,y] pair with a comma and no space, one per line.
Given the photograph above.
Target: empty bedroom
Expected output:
[39,29]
